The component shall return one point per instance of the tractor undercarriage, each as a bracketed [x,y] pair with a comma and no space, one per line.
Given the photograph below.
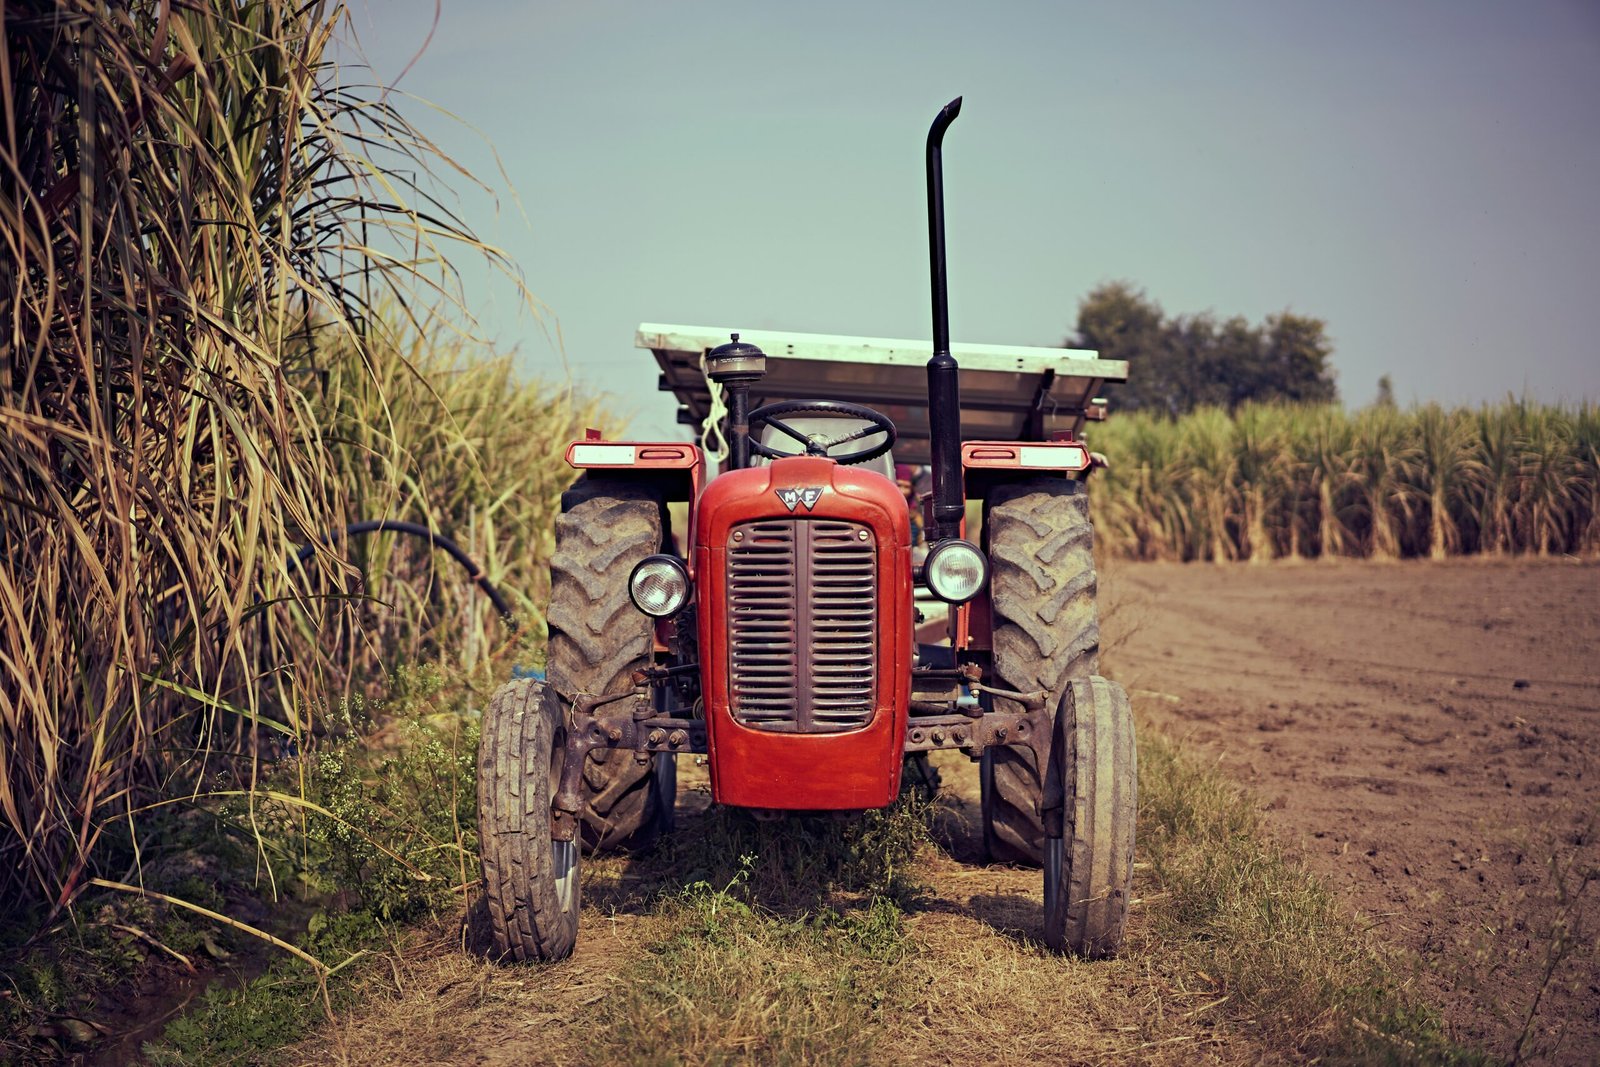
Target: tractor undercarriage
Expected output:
[943,716]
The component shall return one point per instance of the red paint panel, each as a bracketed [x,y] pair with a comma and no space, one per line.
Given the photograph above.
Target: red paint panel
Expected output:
[649,455]
[806,772]
[652,456]
[1007,455]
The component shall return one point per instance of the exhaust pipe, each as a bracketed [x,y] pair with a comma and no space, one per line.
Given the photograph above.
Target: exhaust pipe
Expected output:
[944,387]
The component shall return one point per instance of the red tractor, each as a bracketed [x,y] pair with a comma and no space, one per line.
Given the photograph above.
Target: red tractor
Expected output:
[778,635]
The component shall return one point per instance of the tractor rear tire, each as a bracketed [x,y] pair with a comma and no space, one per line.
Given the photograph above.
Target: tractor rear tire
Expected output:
[598,639]
[530,880]
[1088,871]
[1046,632]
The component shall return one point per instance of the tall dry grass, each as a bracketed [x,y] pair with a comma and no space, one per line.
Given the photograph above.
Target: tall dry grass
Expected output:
[1285,481]
[184,191]
[430,430]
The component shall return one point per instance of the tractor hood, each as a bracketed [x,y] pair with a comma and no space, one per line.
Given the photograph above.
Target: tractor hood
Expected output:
[803,582]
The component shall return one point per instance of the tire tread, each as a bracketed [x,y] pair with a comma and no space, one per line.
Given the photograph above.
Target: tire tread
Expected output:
[1099,771]
[598,639]
[521,727]
[1046,632]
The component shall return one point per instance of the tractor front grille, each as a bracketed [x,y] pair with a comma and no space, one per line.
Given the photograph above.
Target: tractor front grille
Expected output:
[802,613]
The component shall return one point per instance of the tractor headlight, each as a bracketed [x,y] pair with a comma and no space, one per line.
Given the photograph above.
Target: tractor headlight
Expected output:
[659,586]
[955,571]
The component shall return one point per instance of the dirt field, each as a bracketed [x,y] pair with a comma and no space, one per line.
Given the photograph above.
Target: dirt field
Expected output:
[1424,735]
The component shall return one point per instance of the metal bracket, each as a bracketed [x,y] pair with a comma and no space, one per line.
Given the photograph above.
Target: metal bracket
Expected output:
[1033,429]
[970,729]
[660,676]
[642,731]
[989,729]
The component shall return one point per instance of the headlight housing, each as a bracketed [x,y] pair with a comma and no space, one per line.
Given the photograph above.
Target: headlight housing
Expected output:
[659,586]
[955,571]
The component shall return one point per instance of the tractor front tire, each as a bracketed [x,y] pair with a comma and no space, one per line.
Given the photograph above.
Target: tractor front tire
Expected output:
[1093,775]
[598,639]
[530,880]
[1046,632]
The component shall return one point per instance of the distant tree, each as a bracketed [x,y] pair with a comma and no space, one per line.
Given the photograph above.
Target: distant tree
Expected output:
[1179,363]
[1385,393]
[1296,354]
[1118,316]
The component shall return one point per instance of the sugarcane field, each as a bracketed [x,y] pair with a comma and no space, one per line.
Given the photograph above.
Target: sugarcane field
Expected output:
[835,534]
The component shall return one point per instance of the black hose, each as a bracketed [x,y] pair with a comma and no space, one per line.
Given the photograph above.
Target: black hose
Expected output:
[434,538]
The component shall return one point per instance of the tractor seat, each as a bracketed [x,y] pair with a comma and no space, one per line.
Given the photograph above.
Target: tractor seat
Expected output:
[828,427]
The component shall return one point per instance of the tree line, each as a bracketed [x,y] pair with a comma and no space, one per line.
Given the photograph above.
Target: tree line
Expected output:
[1181,362]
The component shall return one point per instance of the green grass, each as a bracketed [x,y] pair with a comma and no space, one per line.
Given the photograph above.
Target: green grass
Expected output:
[1275,941]
[334,852]
[246,1024]
[806,940]
[736,984]
[397,847]
[815,940]
[790,865]
[783,938]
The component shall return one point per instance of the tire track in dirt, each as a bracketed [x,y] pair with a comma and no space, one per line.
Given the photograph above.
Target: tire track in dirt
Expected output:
[1424,735]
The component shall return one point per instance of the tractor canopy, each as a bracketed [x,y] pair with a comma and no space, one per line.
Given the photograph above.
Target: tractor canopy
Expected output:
[1008,392]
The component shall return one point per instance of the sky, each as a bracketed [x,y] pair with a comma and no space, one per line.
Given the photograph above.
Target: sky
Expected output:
[1422,176]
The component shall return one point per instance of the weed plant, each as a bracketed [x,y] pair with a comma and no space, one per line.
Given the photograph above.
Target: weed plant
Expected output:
[797,942]
[855,941]
[333,850]
[736,985]
[395,846]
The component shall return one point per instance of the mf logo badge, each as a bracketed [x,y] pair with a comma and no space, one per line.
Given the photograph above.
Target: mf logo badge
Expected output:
[805,494]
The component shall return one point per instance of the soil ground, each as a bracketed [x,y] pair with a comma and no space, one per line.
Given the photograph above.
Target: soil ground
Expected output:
[1422,735]
[1425,736]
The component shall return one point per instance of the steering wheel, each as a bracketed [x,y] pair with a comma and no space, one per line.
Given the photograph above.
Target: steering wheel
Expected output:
[817,445]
